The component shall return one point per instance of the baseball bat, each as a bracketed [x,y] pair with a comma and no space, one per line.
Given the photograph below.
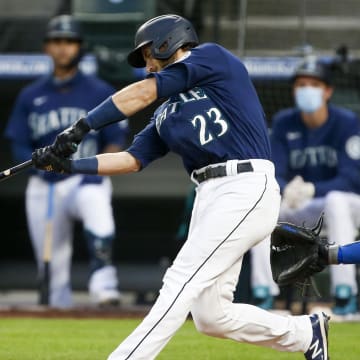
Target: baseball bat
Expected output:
[45,278]
[5,174]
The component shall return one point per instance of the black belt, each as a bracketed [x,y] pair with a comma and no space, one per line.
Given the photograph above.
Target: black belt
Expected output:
[211,172]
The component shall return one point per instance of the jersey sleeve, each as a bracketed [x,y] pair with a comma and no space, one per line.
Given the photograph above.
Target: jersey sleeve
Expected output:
[347,178]
[18,131]
[17,128]
[148,146]
[199,68]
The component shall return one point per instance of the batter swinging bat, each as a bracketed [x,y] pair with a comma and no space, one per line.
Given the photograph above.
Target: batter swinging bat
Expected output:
[44,286]
[15,170]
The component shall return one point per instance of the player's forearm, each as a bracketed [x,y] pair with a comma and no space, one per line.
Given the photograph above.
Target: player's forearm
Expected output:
[346,254]
[105,164]
[349,254]
[117,163]
[123,104]
[136,97]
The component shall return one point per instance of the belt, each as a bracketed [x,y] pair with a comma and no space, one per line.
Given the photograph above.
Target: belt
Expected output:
[216,171]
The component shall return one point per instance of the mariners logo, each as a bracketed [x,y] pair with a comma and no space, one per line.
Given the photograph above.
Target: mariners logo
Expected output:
[352,147]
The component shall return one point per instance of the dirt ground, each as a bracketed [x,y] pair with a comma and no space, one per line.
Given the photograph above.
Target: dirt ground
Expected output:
[78,312]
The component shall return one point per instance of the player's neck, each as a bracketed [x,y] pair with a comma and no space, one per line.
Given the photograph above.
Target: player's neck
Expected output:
[62,73]
[317,118]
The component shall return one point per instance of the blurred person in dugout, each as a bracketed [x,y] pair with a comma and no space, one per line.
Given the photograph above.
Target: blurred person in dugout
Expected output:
[42,110]
[316,151]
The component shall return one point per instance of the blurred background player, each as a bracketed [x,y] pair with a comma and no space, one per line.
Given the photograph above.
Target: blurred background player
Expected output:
[263,288]
[42,110]
[316,151]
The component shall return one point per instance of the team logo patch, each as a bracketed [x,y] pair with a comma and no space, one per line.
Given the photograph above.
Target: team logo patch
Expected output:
[352,147]
[38,101]
[293,135]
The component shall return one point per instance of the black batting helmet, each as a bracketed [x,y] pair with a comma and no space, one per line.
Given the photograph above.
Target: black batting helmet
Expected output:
[166,34]
[313,68]
[63,27]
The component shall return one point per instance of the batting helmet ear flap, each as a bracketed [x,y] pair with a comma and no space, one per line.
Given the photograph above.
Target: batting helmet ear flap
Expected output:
[165,34]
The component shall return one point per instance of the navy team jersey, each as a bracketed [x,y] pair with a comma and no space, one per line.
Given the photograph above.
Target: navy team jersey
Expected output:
[45,108]
[328,156]
[212,113]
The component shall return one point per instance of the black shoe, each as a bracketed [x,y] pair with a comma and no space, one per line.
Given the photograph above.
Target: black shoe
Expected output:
[318,349]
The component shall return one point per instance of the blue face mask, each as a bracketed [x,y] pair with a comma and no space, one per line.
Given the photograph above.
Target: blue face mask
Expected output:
[309,98]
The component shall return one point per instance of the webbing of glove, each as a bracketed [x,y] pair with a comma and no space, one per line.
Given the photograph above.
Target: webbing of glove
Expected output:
[294,253]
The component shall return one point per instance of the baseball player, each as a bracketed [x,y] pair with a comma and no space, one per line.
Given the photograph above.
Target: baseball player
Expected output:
[316,151]
[213,119]
[42,110]
[263,288]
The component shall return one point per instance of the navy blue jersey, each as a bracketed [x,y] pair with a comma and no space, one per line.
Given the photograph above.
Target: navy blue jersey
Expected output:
[45,108]
[212,113]
[328,156]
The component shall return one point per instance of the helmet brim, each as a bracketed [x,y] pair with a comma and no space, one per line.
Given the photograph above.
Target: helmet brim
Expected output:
[311,74]
[135,57]
[63,35]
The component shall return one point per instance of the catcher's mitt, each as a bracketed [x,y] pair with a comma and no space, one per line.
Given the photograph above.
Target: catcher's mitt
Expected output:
[294,253]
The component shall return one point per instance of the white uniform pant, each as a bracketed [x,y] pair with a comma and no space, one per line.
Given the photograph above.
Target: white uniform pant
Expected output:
[230,215]
[90,203]
[341,221]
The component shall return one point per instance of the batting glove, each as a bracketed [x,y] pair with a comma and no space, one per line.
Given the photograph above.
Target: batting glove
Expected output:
[297,192]
[66,142]
[46,159]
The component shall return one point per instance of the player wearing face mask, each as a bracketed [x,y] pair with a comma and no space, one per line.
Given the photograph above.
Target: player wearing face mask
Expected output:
[316,151]
[309,98]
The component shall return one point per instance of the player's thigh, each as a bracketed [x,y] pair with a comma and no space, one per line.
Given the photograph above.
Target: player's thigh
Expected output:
[308,214]
[38,215]
[92,205]
[354,201]
[228,223]
[36,208]
[212,301]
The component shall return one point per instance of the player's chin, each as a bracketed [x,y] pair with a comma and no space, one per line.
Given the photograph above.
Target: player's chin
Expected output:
[64,63]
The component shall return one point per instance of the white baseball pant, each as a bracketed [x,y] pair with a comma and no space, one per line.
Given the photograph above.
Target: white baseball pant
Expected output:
[230,215]
[89,203]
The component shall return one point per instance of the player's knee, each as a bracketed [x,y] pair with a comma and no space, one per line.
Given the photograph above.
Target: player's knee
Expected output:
[206,323]
[335,198]
[100,250]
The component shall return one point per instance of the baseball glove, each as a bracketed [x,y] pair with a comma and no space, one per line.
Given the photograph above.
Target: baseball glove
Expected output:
[295,253]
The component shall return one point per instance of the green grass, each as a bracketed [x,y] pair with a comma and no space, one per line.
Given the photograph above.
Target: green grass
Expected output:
[90,339]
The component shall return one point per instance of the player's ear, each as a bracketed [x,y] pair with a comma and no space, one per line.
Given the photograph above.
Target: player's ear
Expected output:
[329,90]
[46,47]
